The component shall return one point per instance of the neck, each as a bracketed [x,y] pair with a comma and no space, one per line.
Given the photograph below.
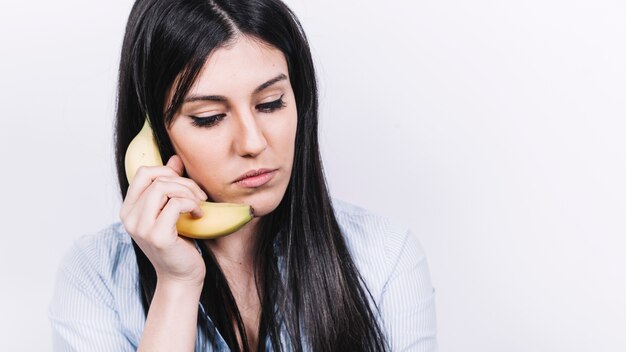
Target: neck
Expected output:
[236,251]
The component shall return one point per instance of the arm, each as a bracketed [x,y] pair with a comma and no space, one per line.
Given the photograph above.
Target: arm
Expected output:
[408,301]
[155,199]
[84,312]
[84,315]
[172,318]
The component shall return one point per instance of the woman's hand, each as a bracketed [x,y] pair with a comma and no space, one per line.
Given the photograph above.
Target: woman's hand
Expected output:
[156,197]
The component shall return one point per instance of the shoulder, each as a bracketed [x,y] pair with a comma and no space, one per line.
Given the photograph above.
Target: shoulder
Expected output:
[103,257]
[375,242]
[96,295]
[376,233]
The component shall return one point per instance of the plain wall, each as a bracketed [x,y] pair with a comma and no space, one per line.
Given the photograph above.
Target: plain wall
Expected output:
[495,129]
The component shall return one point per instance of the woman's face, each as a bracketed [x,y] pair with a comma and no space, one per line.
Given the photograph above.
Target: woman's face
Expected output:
[239,117]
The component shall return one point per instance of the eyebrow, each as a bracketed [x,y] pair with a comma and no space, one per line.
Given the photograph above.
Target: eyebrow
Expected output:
[220,98]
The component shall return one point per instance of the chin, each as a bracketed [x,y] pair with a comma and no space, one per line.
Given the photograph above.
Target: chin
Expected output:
[262,201]
[263,204]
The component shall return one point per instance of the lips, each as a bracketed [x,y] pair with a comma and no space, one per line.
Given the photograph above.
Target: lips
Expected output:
[253,173]
[256,178]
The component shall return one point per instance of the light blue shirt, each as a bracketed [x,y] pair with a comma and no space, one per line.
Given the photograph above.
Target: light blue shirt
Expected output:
[96,304]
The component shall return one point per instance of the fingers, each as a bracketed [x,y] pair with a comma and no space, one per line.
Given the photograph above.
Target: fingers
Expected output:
[143,178]
[147,175]
[160,232]
[154,199]
[148,217]
[176,164]
[169,215]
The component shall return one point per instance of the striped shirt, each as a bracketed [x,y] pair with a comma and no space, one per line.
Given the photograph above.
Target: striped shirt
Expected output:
[96,305]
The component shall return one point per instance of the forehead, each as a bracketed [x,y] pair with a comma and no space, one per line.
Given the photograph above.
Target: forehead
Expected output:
[239,68]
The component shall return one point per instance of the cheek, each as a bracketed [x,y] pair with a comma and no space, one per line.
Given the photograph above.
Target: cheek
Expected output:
[284,134]
[200,154]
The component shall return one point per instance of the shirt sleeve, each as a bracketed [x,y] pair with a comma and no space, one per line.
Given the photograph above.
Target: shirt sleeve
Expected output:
[408,300]
[82,311]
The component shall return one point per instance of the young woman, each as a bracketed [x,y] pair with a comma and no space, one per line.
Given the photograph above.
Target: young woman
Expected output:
[230,91]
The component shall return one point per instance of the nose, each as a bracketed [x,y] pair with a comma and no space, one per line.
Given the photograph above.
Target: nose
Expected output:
[249,138]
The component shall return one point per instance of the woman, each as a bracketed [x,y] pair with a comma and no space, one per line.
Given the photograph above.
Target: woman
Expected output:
[230,91]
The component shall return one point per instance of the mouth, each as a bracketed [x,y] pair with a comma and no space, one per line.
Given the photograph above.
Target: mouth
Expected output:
[255,178]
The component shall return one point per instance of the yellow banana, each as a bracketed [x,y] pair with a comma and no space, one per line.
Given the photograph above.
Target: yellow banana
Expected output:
[219,219]
[142,151]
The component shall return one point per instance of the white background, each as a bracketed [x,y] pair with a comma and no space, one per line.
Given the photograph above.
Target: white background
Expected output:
[495,129]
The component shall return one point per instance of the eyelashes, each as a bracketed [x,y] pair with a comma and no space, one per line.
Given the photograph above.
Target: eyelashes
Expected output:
[206,121]
[272,105]
[209,121]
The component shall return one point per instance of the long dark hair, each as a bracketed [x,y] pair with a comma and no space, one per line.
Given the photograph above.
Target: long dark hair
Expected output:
[306,279]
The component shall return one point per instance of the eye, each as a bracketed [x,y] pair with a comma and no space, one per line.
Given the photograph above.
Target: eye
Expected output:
[272,105]
[206,121]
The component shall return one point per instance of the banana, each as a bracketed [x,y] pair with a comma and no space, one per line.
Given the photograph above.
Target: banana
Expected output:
[219,219]
[142,151]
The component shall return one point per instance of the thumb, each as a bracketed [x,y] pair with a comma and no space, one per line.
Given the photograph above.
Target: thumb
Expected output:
[176,163]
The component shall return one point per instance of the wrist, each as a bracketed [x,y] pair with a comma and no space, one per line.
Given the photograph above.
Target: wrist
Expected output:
[171,323]
[178,285]
[192,279]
